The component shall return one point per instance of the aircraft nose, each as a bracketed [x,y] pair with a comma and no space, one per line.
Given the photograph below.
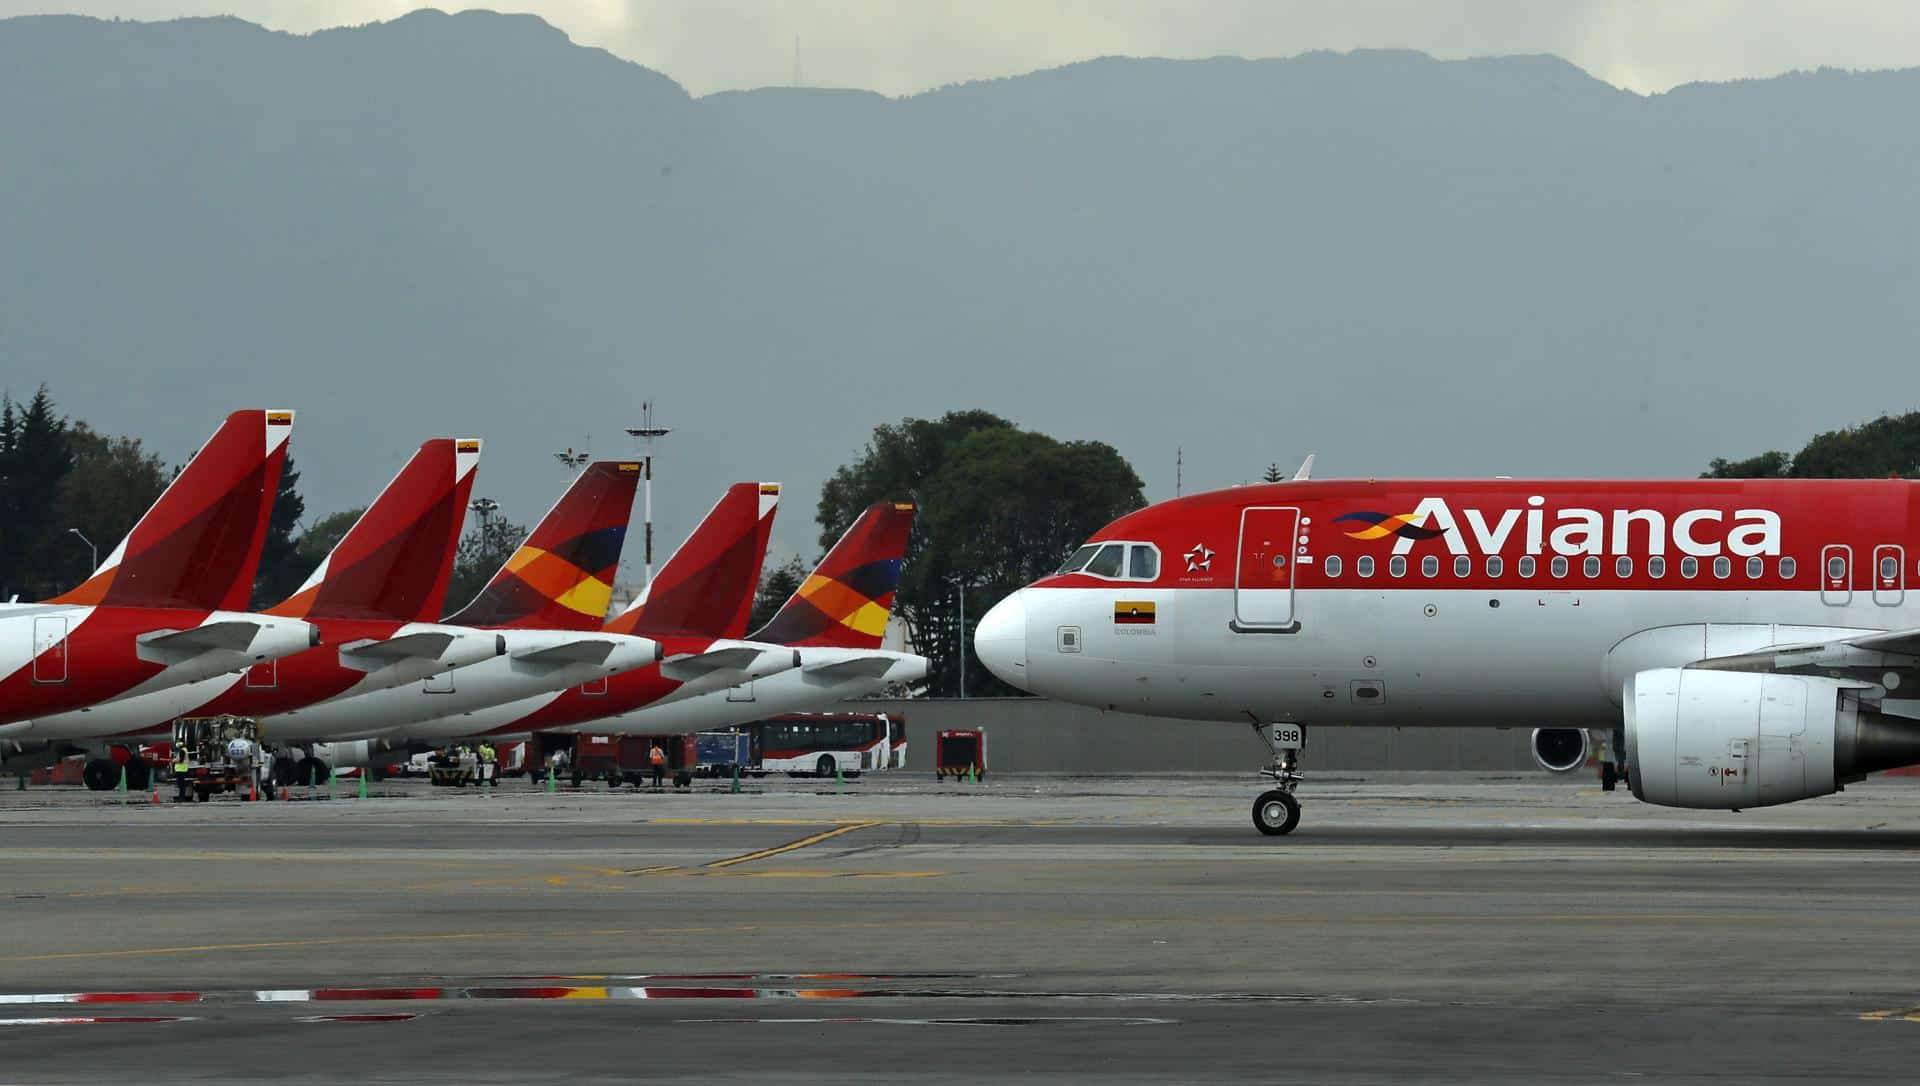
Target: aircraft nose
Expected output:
[1001,640]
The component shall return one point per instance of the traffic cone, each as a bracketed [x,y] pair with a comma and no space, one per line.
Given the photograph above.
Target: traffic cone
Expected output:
[253,792]
[123,777]
[155,798]
[363,783]
[549,779]
[736,780]
[836,775]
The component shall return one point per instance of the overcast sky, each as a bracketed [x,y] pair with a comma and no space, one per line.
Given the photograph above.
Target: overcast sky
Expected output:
[904,46]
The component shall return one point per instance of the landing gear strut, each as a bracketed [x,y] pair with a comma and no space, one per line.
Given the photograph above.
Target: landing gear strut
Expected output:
[1277,812]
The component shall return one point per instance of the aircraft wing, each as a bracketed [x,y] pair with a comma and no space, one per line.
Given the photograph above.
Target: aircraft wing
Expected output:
[370,654]
[586,650]
[698,665]
[173,646]
[1865,656]
[859,667]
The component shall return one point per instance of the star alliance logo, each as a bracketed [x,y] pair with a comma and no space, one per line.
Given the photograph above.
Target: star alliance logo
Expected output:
[1199,559]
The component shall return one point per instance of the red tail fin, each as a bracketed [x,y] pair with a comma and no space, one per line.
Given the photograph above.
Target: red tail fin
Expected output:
[706,588]
[847,600]
[394,563]
[199,546]
[562,577]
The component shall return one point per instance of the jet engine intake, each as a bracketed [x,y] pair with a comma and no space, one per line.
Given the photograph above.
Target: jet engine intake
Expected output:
[1725,740]
[1559,750]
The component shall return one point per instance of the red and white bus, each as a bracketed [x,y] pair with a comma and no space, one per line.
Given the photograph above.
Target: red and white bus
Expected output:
[822,744]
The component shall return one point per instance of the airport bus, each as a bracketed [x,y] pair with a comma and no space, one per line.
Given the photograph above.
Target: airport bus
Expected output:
[822,744]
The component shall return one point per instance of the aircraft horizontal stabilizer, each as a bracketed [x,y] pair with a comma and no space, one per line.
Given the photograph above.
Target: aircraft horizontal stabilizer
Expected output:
[859,667]
[687,668]
[586,650]
[174,646]
[371,655]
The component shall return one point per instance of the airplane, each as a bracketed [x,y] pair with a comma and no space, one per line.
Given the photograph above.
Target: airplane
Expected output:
[697,608]
[1753,641]
[833,623]
[545,604]
[168,605]
[376,599]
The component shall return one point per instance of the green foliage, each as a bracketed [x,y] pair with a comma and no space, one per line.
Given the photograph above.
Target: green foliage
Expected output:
[1888,445]
[281,567]
[36,455]
[321,537]
[112,484]
[1273,474]
[777,585]
[999,507]
[482,551]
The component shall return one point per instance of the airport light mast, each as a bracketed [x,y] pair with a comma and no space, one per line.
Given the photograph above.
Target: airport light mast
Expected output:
[571,460]
[486,507]
[646,432]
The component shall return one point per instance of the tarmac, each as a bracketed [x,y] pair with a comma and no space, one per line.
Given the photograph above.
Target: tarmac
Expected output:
[1429,928]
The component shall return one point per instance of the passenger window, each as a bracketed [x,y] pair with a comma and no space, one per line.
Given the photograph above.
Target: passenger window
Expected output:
[1889,568]
[1787,568]
[1526,565]
[1722,567]
[1107,562]
[1591,567]
[1143,562]
[1332,566]
[1755,567]
[1837,568]
[1430,566]
[1558,566]
[1689,566]
[1364,565]
[1397,565]
[1494,566]
[1623,566]
[1656,567]
[1078,559]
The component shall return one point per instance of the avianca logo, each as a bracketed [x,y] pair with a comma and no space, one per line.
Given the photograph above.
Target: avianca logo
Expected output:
[1703,533]
[1381,525]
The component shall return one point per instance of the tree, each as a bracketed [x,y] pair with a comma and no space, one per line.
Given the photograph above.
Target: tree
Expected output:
[1888,445]
[36,455]
[113,483]
[281,570]
[999,507]
[482,551]
[321,537]
[1273,474]
[777,585]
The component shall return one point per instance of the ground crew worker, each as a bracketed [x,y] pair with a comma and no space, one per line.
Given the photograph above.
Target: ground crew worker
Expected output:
[180,767]
[657,758]
[489,764]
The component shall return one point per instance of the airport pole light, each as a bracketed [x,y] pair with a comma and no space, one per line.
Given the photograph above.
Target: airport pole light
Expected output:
[960,586]
[486,507]
[91,549]
[571,460]
[646,432]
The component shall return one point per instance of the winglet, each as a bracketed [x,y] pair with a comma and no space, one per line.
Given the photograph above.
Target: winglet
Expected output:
[396,560]
[1306,470]
[198,547]
[706,589]
[847,600]
[562,577]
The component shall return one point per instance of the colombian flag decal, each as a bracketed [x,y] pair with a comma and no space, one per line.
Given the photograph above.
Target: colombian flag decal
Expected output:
[1133,613]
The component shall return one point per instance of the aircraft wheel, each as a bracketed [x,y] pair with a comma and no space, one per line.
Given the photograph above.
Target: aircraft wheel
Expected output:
[313,771]
[139,775]
[101,774]
[826,766]
[1609,777]
[1276,813]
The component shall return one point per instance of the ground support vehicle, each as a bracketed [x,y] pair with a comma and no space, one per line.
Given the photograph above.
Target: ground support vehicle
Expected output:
[217,754]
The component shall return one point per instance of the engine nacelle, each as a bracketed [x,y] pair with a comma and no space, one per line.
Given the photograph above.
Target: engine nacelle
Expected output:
[1559,750]
[1727,740]
[375,753]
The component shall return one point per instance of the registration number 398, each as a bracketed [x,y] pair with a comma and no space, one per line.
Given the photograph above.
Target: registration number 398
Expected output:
[1288,736]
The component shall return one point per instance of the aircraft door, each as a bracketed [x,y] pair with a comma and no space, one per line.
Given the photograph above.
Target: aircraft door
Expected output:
[1889,575]
[50,649]
[1836,574]
[742,692]
[1263,575]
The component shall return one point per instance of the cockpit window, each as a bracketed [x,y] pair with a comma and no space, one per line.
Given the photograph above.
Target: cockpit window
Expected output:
[1079,558]
[1107,563]
[1143,562]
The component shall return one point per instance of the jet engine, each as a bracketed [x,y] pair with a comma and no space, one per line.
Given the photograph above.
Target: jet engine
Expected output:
[1727,740]
[1559,750]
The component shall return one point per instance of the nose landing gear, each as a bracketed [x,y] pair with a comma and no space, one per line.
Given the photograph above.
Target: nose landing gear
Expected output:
[1277,812]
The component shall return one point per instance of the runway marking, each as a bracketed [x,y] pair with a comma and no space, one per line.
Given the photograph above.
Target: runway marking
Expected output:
[1897,1014]
[790,846]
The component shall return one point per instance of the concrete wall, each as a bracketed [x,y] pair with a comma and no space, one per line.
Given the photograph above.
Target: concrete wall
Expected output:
[1036,735]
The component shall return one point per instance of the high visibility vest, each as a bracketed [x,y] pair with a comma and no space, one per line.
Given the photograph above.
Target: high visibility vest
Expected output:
[657,756]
